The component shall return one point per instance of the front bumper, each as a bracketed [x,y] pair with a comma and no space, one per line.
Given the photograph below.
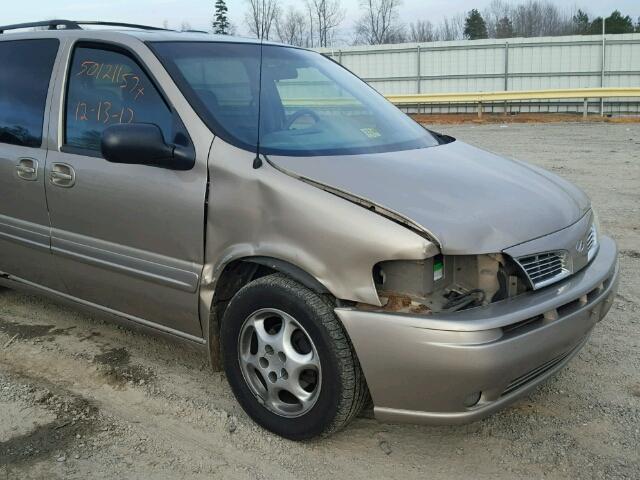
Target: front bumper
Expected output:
[422,369]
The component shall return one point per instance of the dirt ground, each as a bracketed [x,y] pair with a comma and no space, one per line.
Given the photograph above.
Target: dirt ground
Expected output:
[81,399]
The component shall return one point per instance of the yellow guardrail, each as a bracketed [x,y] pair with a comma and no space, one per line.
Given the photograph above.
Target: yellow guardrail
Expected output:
[479,98]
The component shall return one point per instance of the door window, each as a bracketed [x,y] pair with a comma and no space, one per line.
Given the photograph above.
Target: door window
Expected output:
[105,88]
[24,82]
[221,81]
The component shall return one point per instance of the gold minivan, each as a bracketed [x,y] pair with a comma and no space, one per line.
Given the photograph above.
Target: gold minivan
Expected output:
[262,202]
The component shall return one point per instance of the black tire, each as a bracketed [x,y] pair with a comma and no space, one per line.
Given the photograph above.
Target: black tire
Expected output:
[343,390]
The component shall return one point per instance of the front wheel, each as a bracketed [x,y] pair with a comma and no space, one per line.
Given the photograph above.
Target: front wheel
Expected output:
[289,361]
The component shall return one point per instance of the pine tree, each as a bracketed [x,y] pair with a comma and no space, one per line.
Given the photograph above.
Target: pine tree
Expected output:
[614,23]
[504,28]
[221,22]
[474,26]
[581,24]
[617,23]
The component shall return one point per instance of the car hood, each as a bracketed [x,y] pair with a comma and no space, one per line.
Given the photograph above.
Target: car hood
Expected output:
[470,200]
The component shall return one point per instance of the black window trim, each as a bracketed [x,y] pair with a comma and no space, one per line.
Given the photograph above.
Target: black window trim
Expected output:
[123,50]
[47,98]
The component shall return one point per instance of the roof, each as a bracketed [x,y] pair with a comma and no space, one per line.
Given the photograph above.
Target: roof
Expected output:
[145,34]
[174,36]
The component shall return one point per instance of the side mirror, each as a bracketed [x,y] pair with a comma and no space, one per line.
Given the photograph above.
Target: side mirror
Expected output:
[143,144]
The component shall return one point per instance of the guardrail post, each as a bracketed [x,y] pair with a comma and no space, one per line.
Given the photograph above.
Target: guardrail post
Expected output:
[585,108]
[506,66]
[418,74]
[602,71]
[506,72]
[340,57]
[480,109]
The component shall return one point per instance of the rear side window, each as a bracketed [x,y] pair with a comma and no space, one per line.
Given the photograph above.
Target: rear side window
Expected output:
[104,88]
[25,73]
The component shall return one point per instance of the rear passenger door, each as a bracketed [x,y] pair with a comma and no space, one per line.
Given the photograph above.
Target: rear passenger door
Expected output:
[25,82]
[126,237]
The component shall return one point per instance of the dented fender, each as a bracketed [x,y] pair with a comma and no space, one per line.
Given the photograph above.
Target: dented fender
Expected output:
[265,212]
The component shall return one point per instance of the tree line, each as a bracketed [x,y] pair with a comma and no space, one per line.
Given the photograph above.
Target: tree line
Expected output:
[316,23]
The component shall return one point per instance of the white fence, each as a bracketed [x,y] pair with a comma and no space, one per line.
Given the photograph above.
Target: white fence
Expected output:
[504,64]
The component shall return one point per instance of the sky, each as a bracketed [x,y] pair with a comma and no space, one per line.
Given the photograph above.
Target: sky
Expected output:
[198,13]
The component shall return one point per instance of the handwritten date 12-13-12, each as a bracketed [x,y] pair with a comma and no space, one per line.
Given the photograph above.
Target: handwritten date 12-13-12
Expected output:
[103,112]
[116,74]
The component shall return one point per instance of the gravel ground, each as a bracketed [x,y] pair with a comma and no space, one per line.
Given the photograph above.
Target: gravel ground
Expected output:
[80,398]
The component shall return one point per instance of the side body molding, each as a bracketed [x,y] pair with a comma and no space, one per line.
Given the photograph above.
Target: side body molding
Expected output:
[24,233]
[147,266]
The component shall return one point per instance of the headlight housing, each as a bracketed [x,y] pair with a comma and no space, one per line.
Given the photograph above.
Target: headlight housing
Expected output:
[445,283]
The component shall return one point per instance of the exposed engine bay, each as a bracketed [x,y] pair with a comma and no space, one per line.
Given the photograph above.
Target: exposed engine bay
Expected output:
[447,283]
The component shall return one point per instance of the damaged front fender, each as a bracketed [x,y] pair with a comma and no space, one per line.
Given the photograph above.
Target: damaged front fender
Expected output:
[265,212]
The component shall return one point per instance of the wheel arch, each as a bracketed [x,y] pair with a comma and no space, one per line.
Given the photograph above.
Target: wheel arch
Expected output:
[237,273]
[291,270]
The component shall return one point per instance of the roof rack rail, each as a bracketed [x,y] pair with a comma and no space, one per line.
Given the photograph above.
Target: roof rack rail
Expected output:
[120,24]
[52,24]
[74,25]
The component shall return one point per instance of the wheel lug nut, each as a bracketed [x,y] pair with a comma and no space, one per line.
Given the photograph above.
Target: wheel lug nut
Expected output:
[272,377]
[284,374]
[282,357]
[269,350]
[264,363]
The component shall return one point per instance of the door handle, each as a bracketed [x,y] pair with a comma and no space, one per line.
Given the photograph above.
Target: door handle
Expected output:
[27,169]
[62,175]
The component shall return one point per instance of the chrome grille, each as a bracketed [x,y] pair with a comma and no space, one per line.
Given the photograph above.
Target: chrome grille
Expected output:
[544,268]
[592,242]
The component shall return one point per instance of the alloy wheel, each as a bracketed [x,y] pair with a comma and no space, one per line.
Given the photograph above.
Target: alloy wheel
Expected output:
[279,362]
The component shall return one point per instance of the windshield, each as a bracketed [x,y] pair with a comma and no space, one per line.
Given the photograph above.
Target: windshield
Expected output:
[293,102]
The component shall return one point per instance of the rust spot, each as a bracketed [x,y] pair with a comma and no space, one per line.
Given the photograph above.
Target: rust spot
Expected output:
[397,303]
[420,309]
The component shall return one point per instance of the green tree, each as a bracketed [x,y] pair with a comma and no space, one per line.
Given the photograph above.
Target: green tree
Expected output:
[475,26]
[504,28]
[580,22]
[614,23]
[220,21]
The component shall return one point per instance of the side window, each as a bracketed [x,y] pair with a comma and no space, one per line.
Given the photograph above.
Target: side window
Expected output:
[226,79]
[224,86]
[104,88]
[221,81]
[25,73]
